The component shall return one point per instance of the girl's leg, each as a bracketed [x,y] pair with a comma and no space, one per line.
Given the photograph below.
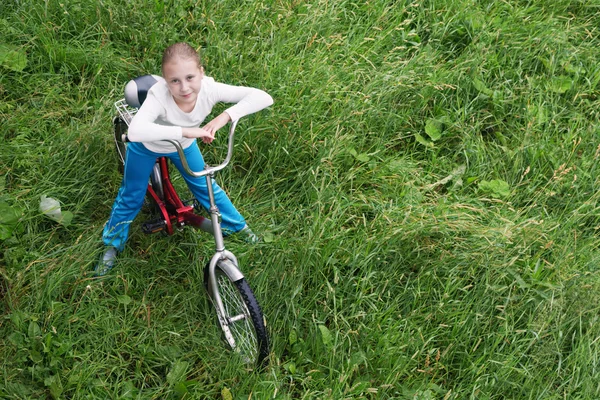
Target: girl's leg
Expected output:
[138,167]
[231,220]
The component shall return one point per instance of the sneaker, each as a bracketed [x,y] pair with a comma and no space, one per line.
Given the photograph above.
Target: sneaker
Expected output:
[106,262]
[248,236]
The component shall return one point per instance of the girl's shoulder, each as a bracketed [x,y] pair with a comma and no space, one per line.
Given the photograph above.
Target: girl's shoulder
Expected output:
[159,89]
[208,82]
[160,94]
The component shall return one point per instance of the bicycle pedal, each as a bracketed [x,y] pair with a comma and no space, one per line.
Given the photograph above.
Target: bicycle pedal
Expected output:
[154,226]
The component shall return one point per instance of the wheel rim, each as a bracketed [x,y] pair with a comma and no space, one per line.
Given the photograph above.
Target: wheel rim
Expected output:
[237,324]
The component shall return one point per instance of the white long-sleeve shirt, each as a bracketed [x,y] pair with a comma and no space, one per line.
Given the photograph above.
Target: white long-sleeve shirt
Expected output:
[160,118]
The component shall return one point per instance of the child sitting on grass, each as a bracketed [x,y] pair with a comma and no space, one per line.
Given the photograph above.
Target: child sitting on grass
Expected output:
[174,109]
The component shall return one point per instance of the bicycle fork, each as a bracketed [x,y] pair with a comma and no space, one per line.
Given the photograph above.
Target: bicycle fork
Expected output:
[227,261]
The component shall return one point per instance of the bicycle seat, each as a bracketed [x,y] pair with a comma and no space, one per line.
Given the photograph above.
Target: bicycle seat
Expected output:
[136,89]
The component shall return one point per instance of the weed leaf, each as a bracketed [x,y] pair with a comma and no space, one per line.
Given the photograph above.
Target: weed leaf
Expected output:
[129,391]
[560,84]
[292,337]
[573,69]
[481,88]
[268,237]
[362,157]
[124,299]
[226,394]
[9,217]
[433,129]
[34,330]
[291,367]
[54,384]
[177,372]
[357,358]
[423,141]
[326,337]
[497,188]
[180,388]
[12,58]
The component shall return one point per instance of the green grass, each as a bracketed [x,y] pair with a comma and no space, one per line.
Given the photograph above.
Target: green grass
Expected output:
[427,175]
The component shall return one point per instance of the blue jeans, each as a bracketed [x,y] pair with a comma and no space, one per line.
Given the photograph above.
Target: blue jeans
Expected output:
[138,167]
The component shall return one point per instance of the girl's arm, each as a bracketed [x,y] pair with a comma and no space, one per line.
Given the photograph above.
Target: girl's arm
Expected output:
[247,101]
[143,127]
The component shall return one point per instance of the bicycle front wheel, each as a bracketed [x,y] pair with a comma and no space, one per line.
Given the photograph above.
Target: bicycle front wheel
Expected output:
[243,323]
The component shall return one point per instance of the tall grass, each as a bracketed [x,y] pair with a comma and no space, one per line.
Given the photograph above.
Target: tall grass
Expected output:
[425,182]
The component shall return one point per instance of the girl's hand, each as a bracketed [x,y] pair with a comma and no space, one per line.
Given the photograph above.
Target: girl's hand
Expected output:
[195,133]
[217,123]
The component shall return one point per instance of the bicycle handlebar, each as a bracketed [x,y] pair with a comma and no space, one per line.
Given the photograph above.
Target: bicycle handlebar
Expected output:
[207,169]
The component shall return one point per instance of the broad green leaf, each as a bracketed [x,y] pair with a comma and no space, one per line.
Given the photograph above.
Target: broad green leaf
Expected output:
[67,217]
[362,157]
[434,128]
[124,299]
[9,217]
[574,69]
[291,367]
[547,63]
[396,166]
[36,356]
[17,339]
[226,394]
[128,391]
[480,86]
[180,388]
[12,57]
[560,84]
[358,358]
[178,372]
[34,330]
[292,337]
[497,188]
[55,385]
[423,141]
[326,336]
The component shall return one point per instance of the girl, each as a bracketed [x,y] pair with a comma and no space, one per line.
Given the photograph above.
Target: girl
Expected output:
[174,109]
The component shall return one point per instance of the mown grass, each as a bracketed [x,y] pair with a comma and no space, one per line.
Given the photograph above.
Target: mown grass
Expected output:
[426,181]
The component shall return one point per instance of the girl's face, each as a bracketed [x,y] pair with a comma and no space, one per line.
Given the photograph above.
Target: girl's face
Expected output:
[183,78]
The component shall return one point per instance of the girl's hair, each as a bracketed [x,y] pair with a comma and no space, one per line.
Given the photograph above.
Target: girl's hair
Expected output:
[181,50]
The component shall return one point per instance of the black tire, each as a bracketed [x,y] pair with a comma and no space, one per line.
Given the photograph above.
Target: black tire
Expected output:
[156,182]
[120,128]
[247,334]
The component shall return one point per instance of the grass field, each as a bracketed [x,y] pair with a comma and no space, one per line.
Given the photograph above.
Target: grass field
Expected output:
[426,183]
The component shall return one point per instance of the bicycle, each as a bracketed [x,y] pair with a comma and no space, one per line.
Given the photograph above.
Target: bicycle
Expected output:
[238,312]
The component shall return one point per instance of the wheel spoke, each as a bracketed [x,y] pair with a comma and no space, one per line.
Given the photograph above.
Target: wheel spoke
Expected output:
[241,318]
[242,332]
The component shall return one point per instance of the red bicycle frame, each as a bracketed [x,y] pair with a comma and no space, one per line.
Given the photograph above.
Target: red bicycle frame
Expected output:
[173,212]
